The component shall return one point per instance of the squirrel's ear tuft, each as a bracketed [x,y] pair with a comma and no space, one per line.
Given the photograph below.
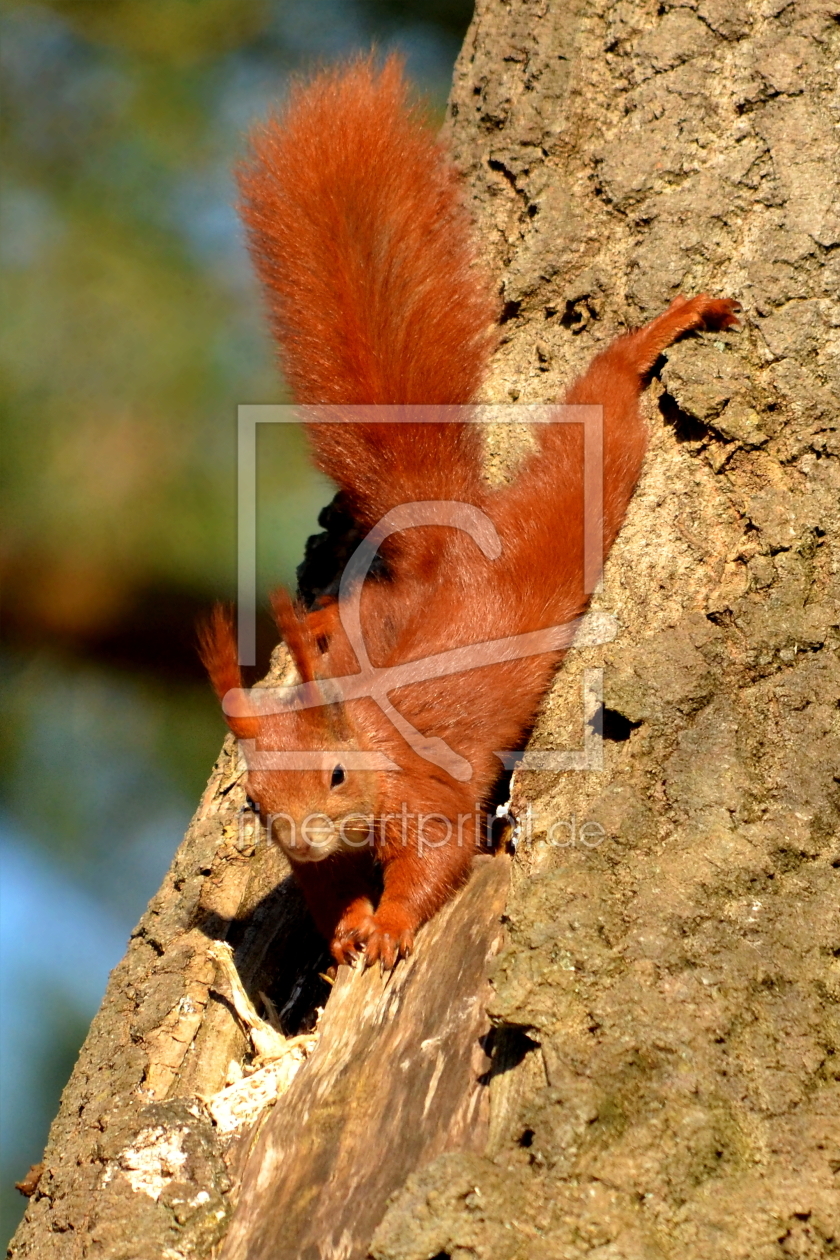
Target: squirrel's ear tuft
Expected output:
[296,634]
[217,649]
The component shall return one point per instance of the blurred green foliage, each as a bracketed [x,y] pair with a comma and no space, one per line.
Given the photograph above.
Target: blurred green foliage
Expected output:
[177,31]
[131,326]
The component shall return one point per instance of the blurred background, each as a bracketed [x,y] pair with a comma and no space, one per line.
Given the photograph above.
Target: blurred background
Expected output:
[131,330]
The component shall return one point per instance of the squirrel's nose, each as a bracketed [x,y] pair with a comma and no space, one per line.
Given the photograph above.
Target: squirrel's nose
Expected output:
[308,840]
[317,842]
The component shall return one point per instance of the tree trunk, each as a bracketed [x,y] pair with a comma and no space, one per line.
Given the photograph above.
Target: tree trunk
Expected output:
[663,1070]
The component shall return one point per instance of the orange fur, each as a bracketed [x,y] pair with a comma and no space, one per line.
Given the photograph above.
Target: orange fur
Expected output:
[296,632]
[219,656]
[359,236]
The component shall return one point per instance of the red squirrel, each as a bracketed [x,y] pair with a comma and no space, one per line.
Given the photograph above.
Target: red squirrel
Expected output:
[359,234]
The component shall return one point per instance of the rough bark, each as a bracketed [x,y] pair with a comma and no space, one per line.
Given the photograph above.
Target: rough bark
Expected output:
[665,1063]
[399,1076]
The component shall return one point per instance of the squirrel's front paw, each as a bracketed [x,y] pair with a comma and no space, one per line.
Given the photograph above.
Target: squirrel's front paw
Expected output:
[391,939]
[384,937]
[353,930]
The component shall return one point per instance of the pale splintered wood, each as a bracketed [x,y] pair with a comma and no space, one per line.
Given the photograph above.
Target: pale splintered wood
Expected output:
[396,1079]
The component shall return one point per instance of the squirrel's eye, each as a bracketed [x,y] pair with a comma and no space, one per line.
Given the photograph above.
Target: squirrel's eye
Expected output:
[338,776]
[251,804]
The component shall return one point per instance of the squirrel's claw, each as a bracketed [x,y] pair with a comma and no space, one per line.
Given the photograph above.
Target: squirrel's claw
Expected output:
[347,949]
[717,313]
[387,949]
[384,937]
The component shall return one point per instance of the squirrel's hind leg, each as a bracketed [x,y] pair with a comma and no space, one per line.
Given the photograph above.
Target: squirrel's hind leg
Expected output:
[644,346]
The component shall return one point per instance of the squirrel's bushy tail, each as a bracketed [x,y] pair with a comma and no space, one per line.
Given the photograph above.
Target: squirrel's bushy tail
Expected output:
[358,232]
